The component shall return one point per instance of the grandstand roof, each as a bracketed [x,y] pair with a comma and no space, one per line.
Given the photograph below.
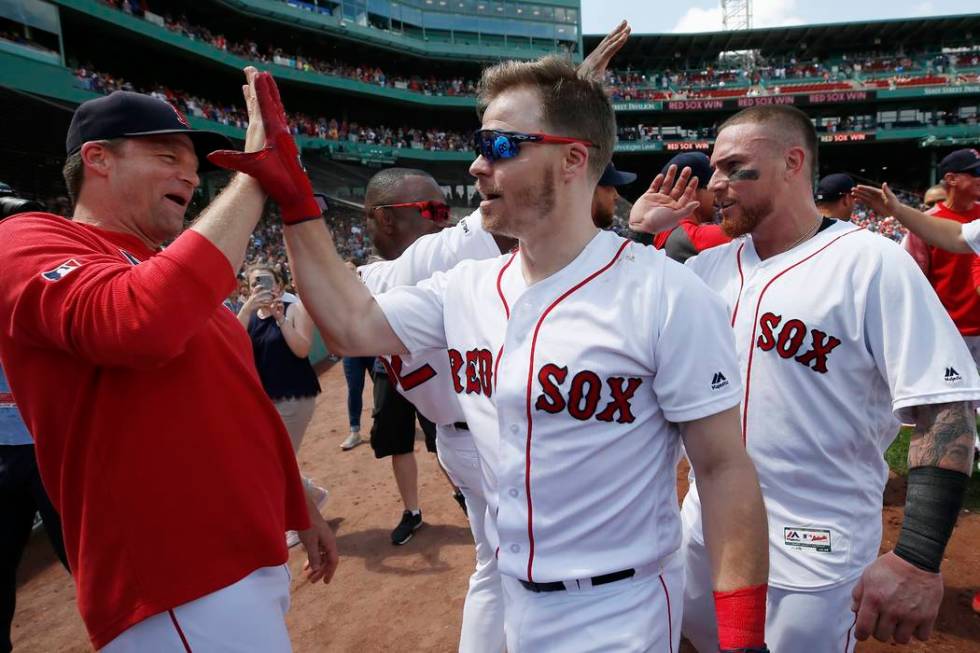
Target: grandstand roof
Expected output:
[657,50]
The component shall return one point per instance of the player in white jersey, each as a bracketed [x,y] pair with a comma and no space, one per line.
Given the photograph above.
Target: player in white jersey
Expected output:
[425,380]
[840,337]
[578,421]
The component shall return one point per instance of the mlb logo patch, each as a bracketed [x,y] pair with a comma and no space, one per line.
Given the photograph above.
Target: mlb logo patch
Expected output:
[61,271]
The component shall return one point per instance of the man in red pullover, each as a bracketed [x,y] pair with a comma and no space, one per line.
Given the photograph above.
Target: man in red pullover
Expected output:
[950,268]
[171,469]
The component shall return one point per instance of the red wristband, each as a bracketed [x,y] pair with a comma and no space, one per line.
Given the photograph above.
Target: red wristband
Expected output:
[741,616]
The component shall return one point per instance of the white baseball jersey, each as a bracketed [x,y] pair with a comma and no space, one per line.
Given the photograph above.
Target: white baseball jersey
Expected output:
[571,388]
[971,234]
[837,338]
[427,255]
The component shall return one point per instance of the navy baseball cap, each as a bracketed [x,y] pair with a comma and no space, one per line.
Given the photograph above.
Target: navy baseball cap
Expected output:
[964,160]
[128,114]
[612,177]
[833,187]
[698,162]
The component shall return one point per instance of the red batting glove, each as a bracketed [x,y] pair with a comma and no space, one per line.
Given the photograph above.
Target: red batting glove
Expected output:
[741,616]
[277,166]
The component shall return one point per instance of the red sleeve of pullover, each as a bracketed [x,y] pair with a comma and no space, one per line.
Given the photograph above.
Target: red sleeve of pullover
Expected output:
[67,289]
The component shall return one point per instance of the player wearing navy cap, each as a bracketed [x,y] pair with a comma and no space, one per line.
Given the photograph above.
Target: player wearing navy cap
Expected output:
[157,403]
[605,195]
[833,196]
[697,231]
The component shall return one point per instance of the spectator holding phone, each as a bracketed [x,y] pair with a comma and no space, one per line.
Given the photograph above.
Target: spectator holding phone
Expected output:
[282,334]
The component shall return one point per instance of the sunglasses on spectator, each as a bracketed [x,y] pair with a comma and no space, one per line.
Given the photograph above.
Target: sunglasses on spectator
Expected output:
[429,209]
[495,145]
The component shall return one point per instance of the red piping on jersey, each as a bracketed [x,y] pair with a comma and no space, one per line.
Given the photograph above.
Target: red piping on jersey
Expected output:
[670,622]
[847,642]
[183,639]
[755,325]
[500,278]
[741,282]
[530,378]
[500,293]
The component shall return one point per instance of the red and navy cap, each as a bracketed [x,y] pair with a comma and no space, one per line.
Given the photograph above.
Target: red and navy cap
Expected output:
[965,160]
[127,114]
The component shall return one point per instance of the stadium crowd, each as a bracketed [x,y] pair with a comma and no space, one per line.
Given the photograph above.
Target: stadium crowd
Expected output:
[445,140]
[763,77]
[266,54]
[300,124]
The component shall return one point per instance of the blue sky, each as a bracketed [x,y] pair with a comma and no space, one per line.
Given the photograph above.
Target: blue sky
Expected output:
[704,15]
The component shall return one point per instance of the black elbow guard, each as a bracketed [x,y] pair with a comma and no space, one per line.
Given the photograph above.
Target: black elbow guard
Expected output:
[931,508]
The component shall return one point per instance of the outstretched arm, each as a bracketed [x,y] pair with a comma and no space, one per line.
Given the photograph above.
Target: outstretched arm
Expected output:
[594,66]
[938,232]
[350,321]
[348,317]
[731,502]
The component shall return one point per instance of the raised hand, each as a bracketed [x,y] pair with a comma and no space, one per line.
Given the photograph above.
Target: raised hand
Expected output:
[594,66]
[882,201]
[666,202]
[271,156]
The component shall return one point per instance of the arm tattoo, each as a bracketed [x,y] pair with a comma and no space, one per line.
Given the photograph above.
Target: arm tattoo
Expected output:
[943,437]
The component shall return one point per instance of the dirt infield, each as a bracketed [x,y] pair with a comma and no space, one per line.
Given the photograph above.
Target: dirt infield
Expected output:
[409,598]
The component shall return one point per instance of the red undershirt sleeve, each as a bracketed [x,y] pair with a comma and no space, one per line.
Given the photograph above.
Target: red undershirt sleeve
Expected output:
[61,290]
[706,236]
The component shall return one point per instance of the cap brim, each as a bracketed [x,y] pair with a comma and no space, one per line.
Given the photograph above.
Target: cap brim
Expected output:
[618,178]
[205,142]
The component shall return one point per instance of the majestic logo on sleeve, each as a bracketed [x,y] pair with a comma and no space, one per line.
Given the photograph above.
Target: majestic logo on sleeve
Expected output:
[788,340]
[718,381]
[584,393]
[952,376]
[61,271]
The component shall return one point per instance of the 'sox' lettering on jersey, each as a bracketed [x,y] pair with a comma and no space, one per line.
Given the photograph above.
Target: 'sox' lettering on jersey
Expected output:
[789,340]
[474,369]
[584,394]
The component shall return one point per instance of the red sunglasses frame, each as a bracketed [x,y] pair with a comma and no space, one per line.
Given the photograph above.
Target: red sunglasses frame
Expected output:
[430,207]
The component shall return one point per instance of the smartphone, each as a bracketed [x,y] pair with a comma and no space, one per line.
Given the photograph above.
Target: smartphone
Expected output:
[264,281]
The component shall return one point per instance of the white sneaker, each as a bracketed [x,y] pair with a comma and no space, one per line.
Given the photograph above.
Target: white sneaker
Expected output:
[320,495]
[352,441]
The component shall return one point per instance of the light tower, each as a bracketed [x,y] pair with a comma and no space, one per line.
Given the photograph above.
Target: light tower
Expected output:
[736,14]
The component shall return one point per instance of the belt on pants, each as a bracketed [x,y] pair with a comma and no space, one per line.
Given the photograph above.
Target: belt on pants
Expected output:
[560,586]
[461,426]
